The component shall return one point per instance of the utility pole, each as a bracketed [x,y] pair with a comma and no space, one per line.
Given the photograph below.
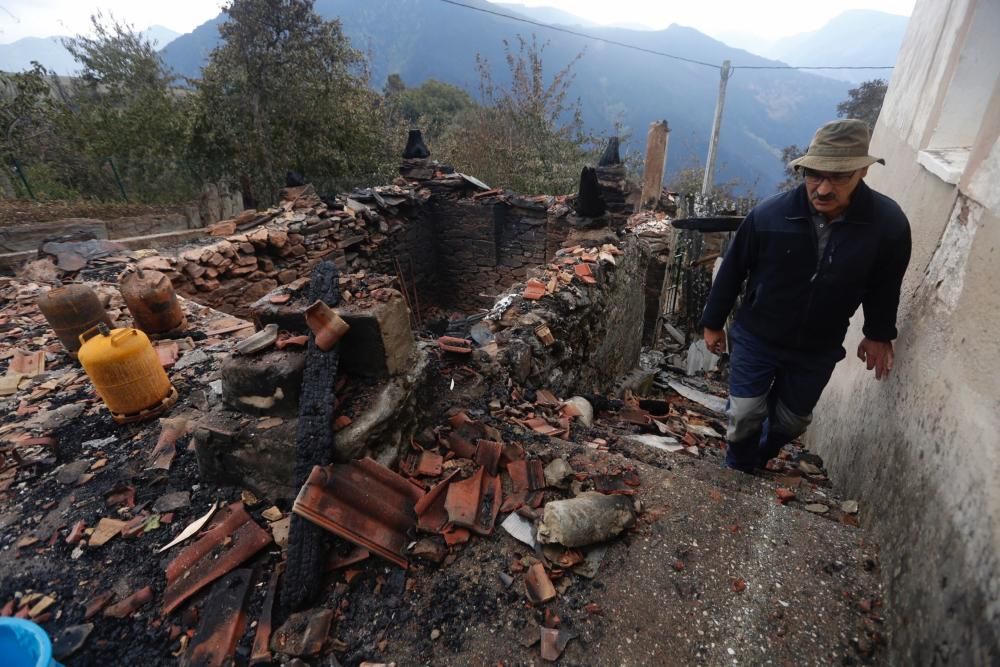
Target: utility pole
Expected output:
[713,141]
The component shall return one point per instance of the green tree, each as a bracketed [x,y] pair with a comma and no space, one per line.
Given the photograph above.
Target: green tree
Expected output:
[433,106]
[864,102]
[789,153]
[528,135]
[393,85]
[124,107]
[26,108]
[285,90]
[688,180]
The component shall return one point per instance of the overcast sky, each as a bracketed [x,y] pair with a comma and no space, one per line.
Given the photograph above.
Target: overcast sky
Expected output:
[765,19]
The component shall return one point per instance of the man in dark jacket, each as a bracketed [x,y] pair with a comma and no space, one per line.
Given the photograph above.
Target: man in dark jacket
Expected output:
[808,258]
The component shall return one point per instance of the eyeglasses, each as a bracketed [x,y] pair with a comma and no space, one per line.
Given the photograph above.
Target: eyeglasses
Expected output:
[835,177]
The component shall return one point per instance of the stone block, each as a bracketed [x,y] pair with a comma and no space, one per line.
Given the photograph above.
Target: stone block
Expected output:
[278,238]
[231,453]
[258,289]
[380,340]
[264,384]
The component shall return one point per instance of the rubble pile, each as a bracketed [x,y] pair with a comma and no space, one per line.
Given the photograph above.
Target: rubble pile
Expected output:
[259,252]
[482,496]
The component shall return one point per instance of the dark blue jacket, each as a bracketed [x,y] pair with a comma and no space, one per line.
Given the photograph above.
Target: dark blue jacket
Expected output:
[791,302]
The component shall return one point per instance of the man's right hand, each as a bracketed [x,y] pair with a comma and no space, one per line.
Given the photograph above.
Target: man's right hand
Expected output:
[715,340]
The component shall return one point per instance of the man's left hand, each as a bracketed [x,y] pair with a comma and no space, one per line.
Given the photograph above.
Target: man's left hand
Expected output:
[878,355]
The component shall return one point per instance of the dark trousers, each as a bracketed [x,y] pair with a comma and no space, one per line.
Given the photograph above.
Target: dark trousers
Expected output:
[772,393]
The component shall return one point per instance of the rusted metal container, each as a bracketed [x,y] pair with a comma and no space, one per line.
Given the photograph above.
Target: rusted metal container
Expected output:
[70,310]
[126,372]
[150,298]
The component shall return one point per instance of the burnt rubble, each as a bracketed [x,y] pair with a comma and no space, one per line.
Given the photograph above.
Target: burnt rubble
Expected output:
[486,466]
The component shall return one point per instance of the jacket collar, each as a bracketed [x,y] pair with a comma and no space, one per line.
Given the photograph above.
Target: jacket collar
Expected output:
[858,211]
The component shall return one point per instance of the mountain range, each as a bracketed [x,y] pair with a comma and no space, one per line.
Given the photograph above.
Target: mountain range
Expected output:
[50,52]
[766,109]
[859,37]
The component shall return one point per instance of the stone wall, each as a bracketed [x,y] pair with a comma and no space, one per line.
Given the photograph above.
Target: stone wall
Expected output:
[452,252]
[485,246]
[597,328]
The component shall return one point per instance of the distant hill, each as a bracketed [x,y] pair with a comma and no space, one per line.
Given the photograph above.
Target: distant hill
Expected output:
[556,16]
[49,51]
[160,35]
[551,15]
[765,109]
[859,37]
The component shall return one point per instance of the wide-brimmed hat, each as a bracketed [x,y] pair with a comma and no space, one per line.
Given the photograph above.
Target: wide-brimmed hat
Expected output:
[840,145]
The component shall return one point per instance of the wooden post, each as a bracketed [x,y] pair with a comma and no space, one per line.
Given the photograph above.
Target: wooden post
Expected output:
[713,141]
[656,160]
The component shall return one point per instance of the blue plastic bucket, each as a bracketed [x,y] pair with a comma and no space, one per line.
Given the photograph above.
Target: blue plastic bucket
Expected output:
[24,644]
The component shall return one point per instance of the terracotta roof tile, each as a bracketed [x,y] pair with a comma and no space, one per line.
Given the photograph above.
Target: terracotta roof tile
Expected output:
[365,503]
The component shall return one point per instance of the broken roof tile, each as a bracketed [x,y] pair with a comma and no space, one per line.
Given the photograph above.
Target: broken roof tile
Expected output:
[233,538]
[488,454]
[456,535]
[584,273]
[460,445]
[475,502]
[545,397]
[27,363]
[538,585]
[452,344]
[222,621]
[527,478]
[431,514]
[429,463]
[131,604]
[535,289]
[97,603]
[365,503]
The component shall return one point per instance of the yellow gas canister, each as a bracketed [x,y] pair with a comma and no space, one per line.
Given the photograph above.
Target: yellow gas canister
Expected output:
[126,372]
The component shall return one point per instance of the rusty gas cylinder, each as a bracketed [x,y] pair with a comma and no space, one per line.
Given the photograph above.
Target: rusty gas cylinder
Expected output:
[126,373]
[70,310]
[150,298]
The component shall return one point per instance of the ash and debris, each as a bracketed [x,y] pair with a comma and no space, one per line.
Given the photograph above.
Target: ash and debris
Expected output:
[715,567]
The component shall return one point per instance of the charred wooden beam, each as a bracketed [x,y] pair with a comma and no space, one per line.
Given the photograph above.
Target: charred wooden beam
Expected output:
[314,446]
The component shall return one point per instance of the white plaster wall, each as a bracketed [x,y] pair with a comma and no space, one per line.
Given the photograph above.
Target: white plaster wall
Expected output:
[922,450]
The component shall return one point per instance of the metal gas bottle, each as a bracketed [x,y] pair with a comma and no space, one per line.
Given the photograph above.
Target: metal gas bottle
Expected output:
[70,310]
[126,372]
[150,298]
